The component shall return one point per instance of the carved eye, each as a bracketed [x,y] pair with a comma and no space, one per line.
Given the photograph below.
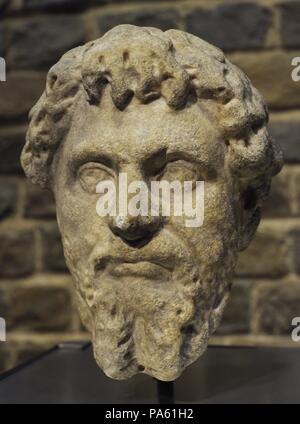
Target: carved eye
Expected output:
[93,173]
[181,171]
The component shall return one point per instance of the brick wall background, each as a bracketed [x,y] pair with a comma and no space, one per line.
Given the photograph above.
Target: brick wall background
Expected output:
[36,295]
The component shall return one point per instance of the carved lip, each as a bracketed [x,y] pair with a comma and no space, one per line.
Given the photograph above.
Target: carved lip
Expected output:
[146,268]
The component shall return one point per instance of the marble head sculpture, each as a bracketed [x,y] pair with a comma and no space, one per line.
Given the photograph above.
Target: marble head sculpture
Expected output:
[156,106]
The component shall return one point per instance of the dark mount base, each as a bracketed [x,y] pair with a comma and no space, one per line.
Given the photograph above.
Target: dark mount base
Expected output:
[69,374]
[165,392]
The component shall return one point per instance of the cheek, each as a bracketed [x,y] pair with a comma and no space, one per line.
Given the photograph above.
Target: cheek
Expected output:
[220,206]
[218,235]
[80,226]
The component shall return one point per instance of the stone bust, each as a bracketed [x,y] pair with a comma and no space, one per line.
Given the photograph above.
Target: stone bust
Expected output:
[154,105]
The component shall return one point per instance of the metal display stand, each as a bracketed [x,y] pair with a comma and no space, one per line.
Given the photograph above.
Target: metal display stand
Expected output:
[165,392]
[69,374]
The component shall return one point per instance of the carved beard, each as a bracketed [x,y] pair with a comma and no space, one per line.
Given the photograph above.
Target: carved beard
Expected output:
[156,328]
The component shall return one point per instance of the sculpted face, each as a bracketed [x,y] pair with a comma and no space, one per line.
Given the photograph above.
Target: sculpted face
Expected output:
[150,289]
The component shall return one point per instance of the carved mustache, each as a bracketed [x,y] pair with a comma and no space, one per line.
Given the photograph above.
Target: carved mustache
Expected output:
[166,251]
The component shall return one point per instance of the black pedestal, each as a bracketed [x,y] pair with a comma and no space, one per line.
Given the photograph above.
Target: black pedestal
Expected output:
[68,374]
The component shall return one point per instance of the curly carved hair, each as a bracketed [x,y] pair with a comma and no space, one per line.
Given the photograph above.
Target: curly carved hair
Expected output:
[148,63]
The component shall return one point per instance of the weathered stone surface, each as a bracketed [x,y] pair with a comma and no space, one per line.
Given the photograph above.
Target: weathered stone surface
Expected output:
[16,252]
[270,72]
[288,135]
[279,202]
[236,318]
[39,42]
[275,304]
[38,203]
[8,197]
[150,288]
[18,94]
[290,28]
[52,251]
[267,255]
[43,303]
[163,19]
[11,143]
[231,26]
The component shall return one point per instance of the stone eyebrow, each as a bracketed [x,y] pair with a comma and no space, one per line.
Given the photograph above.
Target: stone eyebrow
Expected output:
[80,156]
[162,157]
[193,158]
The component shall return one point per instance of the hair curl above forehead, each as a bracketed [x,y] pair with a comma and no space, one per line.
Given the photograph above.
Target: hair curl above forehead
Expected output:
[147,63]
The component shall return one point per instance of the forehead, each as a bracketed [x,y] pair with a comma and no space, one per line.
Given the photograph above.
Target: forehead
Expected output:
[142,129]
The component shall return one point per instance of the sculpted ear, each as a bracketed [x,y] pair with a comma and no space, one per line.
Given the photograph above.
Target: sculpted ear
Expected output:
[252,196]
[249,224]
[253,161]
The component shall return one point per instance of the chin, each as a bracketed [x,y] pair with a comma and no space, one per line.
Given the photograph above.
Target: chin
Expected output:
[161,346]
[153,327]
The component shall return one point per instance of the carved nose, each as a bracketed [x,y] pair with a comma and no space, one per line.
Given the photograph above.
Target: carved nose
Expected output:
[135,231]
